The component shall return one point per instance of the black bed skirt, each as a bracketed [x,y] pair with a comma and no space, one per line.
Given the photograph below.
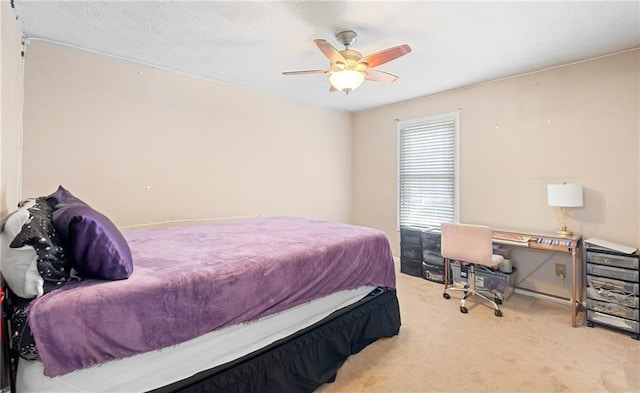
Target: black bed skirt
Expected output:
[306,360]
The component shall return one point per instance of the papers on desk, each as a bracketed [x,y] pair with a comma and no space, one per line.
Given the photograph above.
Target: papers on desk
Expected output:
[594,242]
[510,237]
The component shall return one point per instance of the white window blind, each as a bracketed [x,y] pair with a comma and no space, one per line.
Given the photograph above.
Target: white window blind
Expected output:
[428,170]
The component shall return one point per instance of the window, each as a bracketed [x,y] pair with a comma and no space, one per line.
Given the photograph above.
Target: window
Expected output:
[428,170]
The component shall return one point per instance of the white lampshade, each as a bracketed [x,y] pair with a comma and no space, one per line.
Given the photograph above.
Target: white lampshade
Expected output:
[347,80]
[564,195]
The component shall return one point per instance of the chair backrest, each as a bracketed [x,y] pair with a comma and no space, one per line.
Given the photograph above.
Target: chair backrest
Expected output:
[467,243]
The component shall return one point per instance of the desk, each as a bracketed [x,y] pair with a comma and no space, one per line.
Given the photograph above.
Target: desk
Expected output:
[554,243]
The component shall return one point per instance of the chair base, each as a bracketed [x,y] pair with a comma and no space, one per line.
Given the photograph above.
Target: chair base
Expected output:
[471,291]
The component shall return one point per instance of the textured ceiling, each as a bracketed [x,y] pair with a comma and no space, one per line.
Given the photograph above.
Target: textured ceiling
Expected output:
[250,43]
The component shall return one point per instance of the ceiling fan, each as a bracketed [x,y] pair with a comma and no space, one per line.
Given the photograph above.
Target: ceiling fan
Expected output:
[349,68]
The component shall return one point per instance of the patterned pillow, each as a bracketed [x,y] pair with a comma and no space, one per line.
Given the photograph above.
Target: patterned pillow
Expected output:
[96,247]
[22,338]
[20,265]
[34,261]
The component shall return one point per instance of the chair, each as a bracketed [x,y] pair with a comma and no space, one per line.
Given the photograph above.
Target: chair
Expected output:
[470,244]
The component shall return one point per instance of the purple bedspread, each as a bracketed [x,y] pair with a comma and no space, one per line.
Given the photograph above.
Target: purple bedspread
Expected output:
[191,280]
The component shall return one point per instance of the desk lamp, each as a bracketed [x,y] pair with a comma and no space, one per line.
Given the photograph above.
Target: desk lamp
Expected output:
[564,195]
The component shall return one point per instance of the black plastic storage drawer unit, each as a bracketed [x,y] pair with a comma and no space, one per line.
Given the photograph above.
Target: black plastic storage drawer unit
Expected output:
[434,273]
[432,260]
[420,253]
[411,251]
[613,290]
[431,238]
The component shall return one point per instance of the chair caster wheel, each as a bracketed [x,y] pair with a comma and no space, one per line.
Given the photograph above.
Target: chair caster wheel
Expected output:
[498,301]
[446,296]
[463,309]
[498,313]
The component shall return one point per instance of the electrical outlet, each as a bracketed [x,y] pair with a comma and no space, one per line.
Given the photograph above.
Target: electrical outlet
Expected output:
[561,270]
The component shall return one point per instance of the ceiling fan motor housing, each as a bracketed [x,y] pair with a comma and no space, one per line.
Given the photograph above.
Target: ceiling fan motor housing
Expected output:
[351,61]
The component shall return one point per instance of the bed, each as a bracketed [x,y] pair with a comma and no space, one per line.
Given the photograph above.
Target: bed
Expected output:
[257,305]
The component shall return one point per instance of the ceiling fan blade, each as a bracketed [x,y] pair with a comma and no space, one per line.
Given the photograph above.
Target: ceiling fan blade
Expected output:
[380,76]
[329,51]
[304,72]
[385,55]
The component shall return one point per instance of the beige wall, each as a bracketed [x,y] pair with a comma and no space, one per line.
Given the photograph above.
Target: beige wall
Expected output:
[11,110]
[578,123]
[142,144]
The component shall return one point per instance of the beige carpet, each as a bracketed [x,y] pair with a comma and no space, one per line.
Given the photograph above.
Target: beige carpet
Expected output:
[532,348]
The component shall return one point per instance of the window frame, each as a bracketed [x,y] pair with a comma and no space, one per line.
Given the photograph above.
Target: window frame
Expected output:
[402,124]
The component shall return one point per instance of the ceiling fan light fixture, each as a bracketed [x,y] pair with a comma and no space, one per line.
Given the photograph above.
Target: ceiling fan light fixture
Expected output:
[346,80]
[348,68]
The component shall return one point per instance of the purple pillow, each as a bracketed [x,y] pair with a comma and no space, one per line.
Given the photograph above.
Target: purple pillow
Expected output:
[62,196]
[95,246]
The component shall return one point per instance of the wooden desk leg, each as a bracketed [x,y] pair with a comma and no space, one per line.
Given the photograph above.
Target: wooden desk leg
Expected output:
[446,274]
[581,276]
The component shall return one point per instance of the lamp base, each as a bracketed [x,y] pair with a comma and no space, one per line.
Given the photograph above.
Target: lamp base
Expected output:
[564,232]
